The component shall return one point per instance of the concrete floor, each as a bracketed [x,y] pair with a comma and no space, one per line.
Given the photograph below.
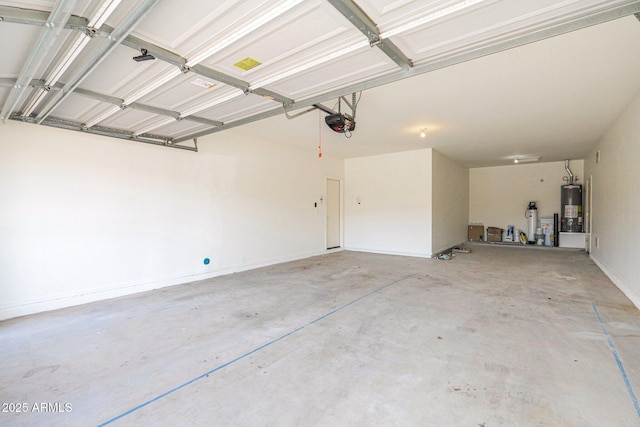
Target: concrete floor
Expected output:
[501,336]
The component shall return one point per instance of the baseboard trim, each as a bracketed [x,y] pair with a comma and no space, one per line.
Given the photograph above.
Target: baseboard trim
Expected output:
[621,283]
[34,306]
[383,252]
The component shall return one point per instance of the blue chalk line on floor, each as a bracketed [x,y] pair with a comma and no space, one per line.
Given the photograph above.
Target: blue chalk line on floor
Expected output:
[618,361]
[255,350]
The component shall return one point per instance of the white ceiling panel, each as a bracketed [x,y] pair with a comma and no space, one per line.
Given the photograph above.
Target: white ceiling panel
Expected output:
[98,109]
[304,33]
[76,107]
[495,20]
[306,53]
[466,29]
[31,4]
[4,93]
[388,15]
[554,98]
[177,128]
[223,22]
[130,119]
[191,129]
[238,108]
[169,94]
[13,59]
[359,66]
[198,14]
[117,70]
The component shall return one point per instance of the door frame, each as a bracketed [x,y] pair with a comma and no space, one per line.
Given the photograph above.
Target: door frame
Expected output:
[340,215]
[589,212]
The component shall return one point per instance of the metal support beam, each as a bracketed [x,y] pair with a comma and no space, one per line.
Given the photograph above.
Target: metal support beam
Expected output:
[143,7]
[144,107]
[362,22]
[137,44]
[93,95]
[325,108]
[96,130]
[571,24]
[595,18]
[18,15]
[36,17]
[47,44]
[291,117]
[328,110]
[8,82]
[202,120]
[175,59]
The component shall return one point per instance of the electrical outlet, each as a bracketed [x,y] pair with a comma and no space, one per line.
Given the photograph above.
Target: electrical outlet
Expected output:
[597,242]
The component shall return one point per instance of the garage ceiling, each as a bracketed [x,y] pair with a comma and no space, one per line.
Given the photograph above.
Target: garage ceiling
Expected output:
[220,65]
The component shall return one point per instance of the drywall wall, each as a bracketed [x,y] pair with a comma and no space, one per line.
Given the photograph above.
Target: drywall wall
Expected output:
[615,216]
[85,217]
[450,202]
[499,196]
[388,203]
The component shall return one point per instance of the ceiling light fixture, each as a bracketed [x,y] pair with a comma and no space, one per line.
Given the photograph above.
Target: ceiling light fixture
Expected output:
[456,7]
[525,159]
[243,31]
[423,133]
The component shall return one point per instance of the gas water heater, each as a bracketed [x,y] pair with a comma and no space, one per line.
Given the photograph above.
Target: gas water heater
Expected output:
[571,205]
[571,208]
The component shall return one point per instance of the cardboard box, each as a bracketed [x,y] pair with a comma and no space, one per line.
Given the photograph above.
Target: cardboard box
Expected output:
[476,232]
[494,234]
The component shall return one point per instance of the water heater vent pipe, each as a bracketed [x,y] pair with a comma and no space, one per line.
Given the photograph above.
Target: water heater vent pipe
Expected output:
[566,166]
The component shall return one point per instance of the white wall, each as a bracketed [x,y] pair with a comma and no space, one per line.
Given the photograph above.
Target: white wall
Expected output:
[616,206]
[85,217]
[394,214]
[499,196]
[450,203]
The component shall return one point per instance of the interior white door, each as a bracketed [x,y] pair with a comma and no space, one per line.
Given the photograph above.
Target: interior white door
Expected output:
[333,213]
